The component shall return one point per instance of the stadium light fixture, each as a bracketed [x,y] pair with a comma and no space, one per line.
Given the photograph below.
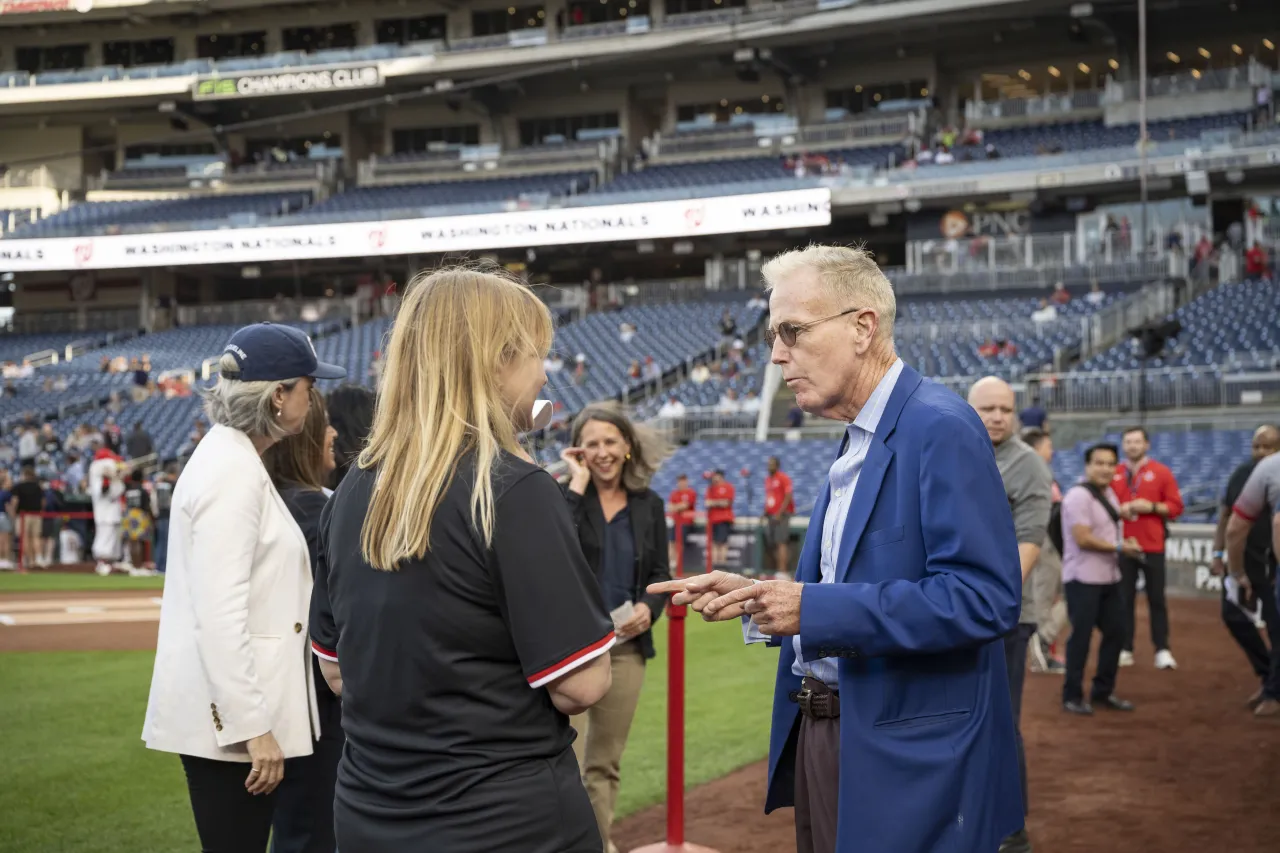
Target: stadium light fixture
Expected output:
[1237,50]
[1053,70]
[1114,64]
[1204,52]
[1173,57]
[1267,43]
[1084,69]
[1024,74]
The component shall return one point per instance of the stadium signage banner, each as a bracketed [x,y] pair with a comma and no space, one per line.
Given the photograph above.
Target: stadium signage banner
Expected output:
[1188,556]
[806,208]
[292,82]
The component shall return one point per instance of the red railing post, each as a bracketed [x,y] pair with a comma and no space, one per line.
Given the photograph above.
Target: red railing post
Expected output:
[675,714]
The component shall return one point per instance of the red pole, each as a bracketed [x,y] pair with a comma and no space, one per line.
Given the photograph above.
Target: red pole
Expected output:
[675,710]
[675,717]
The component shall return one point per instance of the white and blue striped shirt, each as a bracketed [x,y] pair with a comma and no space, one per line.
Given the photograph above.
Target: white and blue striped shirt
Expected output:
[842,480]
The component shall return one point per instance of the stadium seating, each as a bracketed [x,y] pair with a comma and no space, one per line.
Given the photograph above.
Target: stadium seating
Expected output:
[1201,461]
[376,200]
[806,462]
[1230,329]
[671,334]
[206,210]
[1087,135]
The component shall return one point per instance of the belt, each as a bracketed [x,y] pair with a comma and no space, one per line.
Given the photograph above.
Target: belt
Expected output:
[816,700]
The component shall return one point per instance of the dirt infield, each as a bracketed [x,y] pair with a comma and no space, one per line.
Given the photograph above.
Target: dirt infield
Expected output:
[1191,770]
[110,620]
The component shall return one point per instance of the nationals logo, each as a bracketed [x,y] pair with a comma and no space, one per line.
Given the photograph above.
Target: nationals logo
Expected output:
[84,253]
[695,215]
[377,238]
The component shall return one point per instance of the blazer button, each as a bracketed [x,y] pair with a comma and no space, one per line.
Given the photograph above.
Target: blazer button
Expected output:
[297,627]
[218,727]
[213,706]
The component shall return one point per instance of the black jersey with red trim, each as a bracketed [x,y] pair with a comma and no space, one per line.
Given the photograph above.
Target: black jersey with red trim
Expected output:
[445,660]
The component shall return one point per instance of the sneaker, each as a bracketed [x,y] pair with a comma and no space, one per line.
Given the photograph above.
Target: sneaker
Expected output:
[1164,660]
[1056,667]
[1126,658]
[1016,843]
[1268,708]
[1037,658]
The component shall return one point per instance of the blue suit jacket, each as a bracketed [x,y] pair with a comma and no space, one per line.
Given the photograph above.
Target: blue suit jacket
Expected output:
[928,582]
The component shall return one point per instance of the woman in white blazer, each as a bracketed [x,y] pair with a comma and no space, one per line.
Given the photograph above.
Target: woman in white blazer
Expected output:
[232,691]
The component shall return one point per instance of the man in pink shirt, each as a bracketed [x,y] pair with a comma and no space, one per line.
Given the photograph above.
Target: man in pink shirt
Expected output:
[1091,549]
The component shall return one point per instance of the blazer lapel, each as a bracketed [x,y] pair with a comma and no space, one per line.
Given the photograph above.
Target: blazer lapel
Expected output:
[865,493]
[595,514]
[871,477]
[639,531]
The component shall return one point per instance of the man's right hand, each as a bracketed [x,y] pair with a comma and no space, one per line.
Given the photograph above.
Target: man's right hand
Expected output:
[1131,548]
[1218,568]
[268,764]
[700,590]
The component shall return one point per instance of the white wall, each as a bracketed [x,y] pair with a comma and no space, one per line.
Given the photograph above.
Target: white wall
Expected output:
[21,144]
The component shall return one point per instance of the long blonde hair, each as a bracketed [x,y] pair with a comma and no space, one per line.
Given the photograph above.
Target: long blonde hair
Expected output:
[456,329]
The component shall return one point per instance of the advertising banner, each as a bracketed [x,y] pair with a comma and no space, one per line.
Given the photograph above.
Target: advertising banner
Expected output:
[23,7]
[477,232]
[966,224]
[254,84]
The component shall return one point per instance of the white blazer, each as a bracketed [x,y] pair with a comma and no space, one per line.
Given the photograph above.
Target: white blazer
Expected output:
[232,659]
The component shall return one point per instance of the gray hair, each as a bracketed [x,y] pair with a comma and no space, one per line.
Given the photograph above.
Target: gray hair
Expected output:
[244,406]
[849,273]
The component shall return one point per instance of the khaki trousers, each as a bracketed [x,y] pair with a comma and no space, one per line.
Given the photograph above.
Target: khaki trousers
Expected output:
[602,734]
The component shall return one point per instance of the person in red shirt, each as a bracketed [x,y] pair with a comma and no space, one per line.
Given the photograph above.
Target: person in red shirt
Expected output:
[1149,498]
[1255,261]
[681,504]
[719,516]
[779,504]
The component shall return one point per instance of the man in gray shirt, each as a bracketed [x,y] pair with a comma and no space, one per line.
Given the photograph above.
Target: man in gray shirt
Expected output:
[1028,483]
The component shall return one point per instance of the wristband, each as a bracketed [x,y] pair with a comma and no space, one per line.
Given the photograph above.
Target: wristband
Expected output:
[1120,548]
[1219,555]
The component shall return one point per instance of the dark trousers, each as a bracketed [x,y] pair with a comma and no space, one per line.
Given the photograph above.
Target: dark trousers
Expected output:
[303,820]
[1015,659]
[817,784]
[1265,662]
[1092,606]
[1152,568]
[228,818]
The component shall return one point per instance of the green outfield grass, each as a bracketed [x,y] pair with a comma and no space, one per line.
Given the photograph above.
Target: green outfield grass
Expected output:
[76,778]
[52,582]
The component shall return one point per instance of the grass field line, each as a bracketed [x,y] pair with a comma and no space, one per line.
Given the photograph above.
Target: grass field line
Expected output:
[88,785]
[76,605]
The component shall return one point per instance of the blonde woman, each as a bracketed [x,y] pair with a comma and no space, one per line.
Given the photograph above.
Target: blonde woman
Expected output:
[453,610]
[622,527]
[232,691]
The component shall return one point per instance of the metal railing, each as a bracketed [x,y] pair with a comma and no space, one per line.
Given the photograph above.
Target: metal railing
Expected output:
[1041,105]
[1190,82]
[766,141]
[75,321]
[1153,390]
[273,310]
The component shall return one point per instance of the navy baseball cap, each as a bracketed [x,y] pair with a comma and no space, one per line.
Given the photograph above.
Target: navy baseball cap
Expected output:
[267,352]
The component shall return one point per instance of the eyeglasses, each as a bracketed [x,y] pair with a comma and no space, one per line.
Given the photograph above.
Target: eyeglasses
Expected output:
[790,332]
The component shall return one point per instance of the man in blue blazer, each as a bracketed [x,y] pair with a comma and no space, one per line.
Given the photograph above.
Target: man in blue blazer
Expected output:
[892,729]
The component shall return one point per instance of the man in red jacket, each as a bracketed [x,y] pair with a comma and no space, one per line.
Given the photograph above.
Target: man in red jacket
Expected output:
[1149,498]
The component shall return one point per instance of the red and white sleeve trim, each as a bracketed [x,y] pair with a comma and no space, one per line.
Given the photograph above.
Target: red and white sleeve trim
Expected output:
[323,653]
[573,661]
[1238,511]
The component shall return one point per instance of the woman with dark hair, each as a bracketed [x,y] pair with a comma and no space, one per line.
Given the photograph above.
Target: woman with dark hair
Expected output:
[351,414]
[622,528]
[299,466]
